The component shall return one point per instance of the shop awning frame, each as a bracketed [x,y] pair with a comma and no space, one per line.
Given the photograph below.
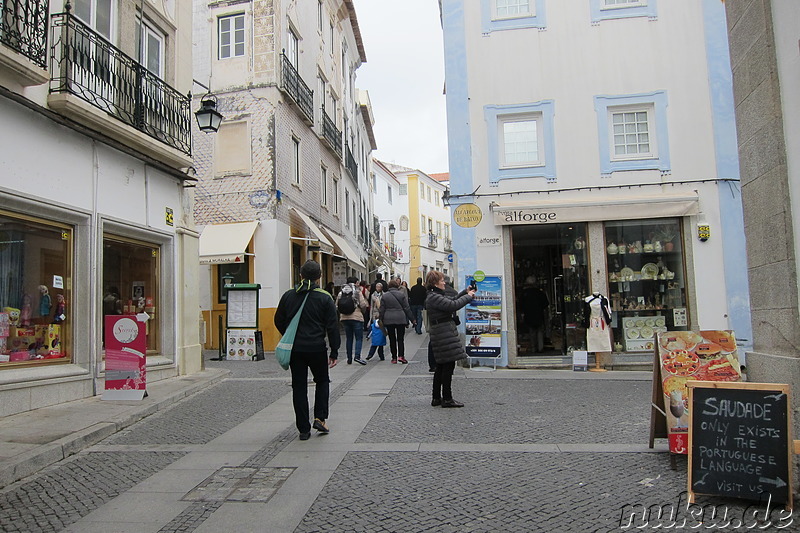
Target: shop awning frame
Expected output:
[345,248]
[316,232]
[225,243]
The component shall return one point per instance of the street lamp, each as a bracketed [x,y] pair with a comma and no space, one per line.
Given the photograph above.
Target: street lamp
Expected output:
[208,118]
[392,229]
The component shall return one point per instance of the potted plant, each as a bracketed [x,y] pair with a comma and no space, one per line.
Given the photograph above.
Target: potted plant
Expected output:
[666,233]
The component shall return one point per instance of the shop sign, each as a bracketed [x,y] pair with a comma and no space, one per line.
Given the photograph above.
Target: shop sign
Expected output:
[126,345]
[490,241]
[467,215]
[483,321]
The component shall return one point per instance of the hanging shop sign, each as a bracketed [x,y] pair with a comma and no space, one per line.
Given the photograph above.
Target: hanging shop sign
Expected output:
[467,215]
[126,369]
[483,323]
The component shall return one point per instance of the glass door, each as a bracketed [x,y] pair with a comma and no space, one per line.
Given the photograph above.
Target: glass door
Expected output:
[550,283]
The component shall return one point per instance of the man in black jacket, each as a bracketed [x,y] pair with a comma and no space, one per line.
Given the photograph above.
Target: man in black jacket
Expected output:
[309,351]
[417,302]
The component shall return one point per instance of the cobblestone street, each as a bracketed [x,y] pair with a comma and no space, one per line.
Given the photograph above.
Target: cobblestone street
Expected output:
[530,451]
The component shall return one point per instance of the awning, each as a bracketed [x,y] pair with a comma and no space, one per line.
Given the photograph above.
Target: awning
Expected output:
[595,209]
[325,244]
[225,243]
[345,249]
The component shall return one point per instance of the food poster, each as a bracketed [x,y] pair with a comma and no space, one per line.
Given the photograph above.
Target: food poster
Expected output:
[126,367]
[483,324]
[692,355]
[241,344]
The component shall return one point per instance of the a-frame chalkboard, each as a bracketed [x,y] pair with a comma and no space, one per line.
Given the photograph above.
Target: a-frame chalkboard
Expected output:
[740,441]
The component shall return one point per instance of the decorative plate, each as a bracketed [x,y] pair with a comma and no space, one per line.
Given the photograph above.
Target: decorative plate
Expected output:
[650,322]
[630,322]
[649,271]
[633,333]
[646,332]
[660,322]
[626,273]
[640,322]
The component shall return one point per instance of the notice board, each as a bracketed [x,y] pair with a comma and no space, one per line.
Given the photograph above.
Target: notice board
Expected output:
[740,441]
[125,351]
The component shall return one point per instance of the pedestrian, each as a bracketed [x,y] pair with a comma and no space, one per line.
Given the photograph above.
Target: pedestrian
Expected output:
[350,305]
[364,287]
[378,279]
[329,288]
[404,287]
[416,300]
[447,346]
[534,312]
[450,292]
[395,316]
[309,351]
[378,341]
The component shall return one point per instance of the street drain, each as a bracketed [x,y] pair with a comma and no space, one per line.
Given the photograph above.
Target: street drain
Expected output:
[240,484]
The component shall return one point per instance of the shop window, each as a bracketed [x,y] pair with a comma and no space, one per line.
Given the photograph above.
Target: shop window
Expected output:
[35,283]
[131,283]
[237,272]
[646,281]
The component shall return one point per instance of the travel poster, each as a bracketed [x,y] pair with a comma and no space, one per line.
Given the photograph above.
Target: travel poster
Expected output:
[483,324]
[692,355]
[126,368]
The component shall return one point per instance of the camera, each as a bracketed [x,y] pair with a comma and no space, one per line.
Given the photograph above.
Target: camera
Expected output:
[473,285]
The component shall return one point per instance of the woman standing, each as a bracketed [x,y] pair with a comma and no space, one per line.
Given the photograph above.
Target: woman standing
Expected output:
[447,346]
[395,315]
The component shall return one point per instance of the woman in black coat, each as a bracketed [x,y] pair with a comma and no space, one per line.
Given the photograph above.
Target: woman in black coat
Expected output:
[447,346]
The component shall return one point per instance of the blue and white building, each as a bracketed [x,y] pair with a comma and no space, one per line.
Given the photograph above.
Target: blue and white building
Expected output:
[597,139]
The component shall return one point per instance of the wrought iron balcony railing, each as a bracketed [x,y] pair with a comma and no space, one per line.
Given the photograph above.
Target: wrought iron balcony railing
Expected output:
[88,66]
[350,163]
[23,28]
[331,134]
[296,88]
[433,240]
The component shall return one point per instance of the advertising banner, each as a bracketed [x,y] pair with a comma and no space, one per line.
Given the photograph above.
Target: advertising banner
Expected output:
[126,369]
[483,318]
[692,355]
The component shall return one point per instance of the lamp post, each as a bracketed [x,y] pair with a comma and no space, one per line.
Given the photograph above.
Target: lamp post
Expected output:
[208,118]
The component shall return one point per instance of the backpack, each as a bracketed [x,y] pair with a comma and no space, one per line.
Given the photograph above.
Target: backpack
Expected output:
[347,301]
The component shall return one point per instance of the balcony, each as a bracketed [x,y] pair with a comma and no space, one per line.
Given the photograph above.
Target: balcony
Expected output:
[433,240]
[331,135]
[88,68]
[448,245]
[23,31]
[293,85]
[350,164]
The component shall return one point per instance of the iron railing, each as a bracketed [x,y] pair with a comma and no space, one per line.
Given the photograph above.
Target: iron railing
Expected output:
[350,163]
[296,88]
[331,133]
[23,28]
[433,240]
[88,66]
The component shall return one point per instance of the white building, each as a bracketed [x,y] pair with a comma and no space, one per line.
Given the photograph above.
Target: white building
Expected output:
[94,209]
[390,223]
[582,129]
[286,176]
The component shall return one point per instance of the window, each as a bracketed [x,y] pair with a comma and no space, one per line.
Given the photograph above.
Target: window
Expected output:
[335,196]
[422,191]
[422,227]
[296,160]
[231,36]
[447,231]
[404,189]
[428,189]
[438,229]
[522,144]
[331,39]
[152,49]
[240,273]
[437,198]
[403,223]
[320,12]
[36,266]
[324,185]
[616,9]
[374,182]
[347,208]
[624,3]
[512,8]
[389,193]
[430,225]
[632,132]
[292,46]
[98,14]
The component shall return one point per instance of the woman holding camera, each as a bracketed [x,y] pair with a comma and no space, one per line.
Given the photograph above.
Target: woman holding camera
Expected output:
[446,344]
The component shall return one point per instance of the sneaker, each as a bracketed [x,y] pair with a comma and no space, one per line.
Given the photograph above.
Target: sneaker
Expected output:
[436,402]
[370,356]
[451,403]
[320,426]
[402,360]
[305,436]
[431,370]
[360,361]
[394,361]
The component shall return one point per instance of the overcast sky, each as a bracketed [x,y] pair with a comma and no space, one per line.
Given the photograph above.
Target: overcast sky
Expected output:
[404,75]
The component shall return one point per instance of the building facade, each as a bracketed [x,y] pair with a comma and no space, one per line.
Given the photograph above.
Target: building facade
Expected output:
[766,77]
[286,176]
[390,223]
[601,160]
[95,216]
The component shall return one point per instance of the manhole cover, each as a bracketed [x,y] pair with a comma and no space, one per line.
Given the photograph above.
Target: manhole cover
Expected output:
[240,484]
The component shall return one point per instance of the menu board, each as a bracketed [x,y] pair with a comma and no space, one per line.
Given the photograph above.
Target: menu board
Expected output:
[241,344]
[692,355]
[242,308]
[739,441]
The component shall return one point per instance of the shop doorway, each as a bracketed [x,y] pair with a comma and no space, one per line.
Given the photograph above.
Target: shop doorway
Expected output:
[550,283]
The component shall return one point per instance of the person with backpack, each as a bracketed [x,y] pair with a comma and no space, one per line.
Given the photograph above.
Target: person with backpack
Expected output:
[350,305]
[395,315]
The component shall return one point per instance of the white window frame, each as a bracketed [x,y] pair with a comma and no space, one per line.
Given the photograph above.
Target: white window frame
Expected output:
[621,4]
[438,228]
[146,31]
[522,117]
[296,161]
[389,193]
[320,17]
[336,196]
[531,12]
[324,185]
[347,208]
[436,195]
[651,132]
[404,189]
[92,22]
[293,47]
[233,32]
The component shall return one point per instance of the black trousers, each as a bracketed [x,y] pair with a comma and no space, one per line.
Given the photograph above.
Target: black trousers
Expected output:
[300,363]
[397,339]
[442,381]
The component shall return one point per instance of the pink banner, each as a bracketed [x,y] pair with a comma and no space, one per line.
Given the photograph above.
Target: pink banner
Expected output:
[126,346]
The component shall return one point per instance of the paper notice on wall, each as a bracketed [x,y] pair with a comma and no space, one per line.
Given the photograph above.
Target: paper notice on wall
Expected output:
[58,282]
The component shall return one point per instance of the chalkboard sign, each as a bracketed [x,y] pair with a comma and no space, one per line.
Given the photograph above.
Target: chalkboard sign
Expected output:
[739,441]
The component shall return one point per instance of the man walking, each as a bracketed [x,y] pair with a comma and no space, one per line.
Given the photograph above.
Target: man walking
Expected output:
[318,318]
[417,302]
[350,304]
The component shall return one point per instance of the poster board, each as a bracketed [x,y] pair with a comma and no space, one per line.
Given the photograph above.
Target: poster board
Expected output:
[740,441]
[126,366]
[242,306]
[691,355]
[483,323]
[241,344]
